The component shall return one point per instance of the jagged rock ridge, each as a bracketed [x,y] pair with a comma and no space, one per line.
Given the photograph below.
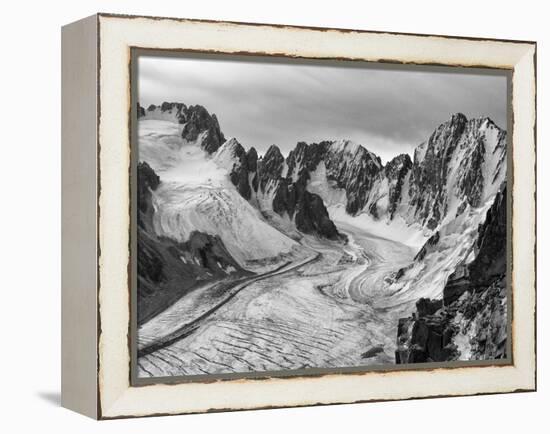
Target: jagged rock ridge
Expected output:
[197,122]
[461,164]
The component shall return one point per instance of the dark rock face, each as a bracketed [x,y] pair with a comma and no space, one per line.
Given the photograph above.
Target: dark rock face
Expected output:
[471,184]
[250,174]
[432,241]
[474,299]
[425,338]
[490,261]
[252,166]
[479,315]
[210,252]
[167,269]
[197,121]
[176,108]
[270,167]
[396,170]
[312,216]
[429,173]
[307,209]
[239,172]
[354,169]
[148,180]
[140,111]
[434,160]
[252,160]
[306,157]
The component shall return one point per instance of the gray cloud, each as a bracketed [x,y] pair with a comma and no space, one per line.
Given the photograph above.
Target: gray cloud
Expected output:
[388,110]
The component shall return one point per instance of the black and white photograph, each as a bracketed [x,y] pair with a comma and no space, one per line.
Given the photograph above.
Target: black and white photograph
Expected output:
[233,217]
[297,215]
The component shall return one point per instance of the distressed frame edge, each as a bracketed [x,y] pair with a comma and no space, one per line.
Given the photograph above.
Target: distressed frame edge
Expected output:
[528,387]
[80,180]
[304,27]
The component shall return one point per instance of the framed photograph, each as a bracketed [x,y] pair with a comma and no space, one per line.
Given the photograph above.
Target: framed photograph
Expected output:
[262,216]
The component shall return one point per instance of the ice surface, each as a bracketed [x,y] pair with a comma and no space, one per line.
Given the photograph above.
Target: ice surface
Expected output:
[196,195]
[312,302]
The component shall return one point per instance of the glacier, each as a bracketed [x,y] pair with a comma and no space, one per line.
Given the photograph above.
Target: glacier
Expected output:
[331,248]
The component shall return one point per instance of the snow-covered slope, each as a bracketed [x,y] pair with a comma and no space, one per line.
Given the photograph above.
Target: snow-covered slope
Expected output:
[196,194]
[219,210]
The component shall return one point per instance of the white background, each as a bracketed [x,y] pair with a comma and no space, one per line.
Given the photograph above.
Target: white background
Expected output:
[30,217]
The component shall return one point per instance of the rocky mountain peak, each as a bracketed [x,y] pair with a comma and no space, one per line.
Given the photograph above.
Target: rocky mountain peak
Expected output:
[170,106]
[397,164]
[198,122]
[458,160]
[306,156]
[273,154]
[354,169]
[396,171]
[147,180]
[270,167]
[167,110]
[458,119]
[252,159]
[140,111]
[235,147]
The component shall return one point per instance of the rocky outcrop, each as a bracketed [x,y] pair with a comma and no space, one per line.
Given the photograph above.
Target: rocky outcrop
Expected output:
[489,263]
[148,181]
[239,171]
[353,169]
[473,327]
[306,157]
[470,321]
[396,172]
[490,260]
[426,336]
[197,123]
[270,167]
[140,111]
[427,247]
[432,162]
[167,110]
[312,217]
[307,209]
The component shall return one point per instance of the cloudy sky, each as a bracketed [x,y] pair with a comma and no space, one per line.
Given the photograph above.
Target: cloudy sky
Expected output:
[389,111]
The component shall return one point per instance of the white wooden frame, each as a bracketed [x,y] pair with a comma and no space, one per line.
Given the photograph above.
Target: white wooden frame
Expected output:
[96,194]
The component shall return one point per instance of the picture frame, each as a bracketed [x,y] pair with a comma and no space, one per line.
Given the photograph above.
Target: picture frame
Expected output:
[99,114]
